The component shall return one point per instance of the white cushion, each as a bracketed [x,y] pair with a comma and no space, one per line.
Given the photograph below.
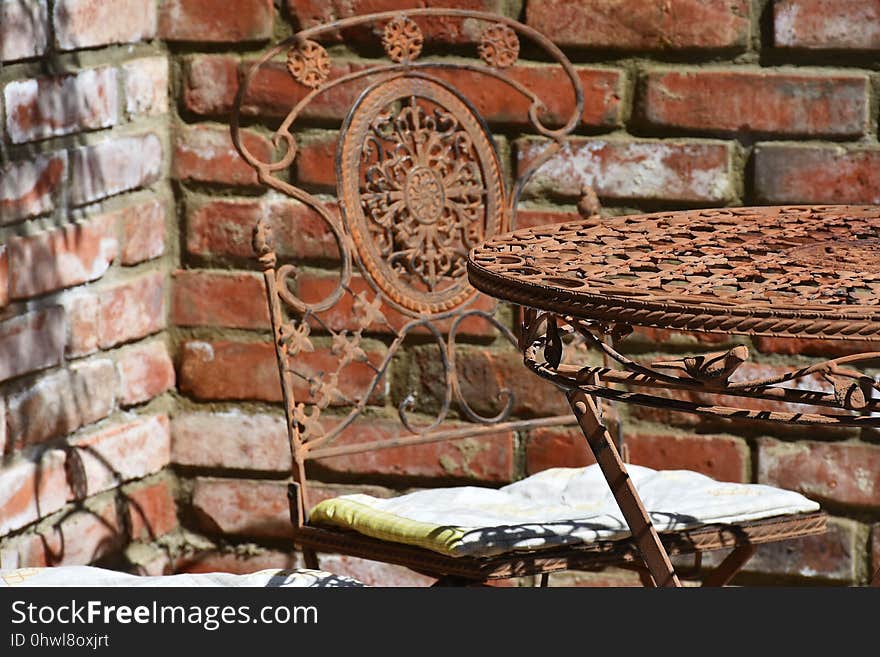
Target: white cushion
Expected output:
[554,507]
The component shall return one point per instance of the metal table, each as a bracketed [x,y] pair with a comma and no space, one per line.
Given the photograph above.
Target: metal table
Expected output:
[792,272]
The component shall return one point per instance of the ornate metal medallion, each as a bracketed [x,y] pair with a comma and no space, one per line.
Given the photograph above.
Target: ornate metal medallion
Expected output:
[499,46]
[420,186]
[309,64]
[402,39]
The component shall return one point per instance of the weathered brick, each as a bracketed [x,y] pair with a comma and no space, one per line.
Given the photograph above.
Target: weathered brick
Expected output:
[724,458]
[225,228]
[812,347]
[46,107]
[532,218]
[143,232]
[31,342]
[835,555]
[205,153]
[242,507]
[24,29]
[373,573]
[131,310]
[219,298]
[633,169]
[756,101]
[844,472]
[642,24]
[124,451]
[249,370]
[4,275]
[5,444]
[789,173]
[108,168]
[200,20]
[443,29]
[146,86]
[826,24]
[82,323]
[31,187]
[232,440]
[83,536]
[151,509]
[482,375]
[89,23]
[483,458]
[316,161]
[62,257]
[30,490]
[210,84]
[61,403]
[145,371]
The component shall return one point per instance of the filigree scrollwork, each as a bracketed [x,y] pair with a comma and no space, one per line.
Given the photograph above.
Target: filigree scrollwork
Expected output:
[499,46]
[402,39]
[309,64]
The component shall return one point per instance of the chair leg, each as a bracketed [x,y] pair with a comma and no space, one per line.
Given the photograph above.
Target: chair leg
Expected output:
[545,580]
[310,558]
[731,565]
[600,441]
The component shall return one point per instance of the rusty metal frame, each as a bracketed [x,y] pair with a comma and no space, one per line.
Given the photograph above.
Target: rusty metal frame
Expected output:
[456,184]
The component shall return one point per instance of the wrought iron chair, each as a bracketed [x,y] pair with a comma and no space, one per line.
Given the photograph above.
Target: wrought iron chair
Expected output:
[419,184]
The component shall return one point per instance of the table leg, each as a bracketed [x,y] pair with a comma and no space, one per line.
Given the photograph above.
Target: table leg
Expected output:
[602,445]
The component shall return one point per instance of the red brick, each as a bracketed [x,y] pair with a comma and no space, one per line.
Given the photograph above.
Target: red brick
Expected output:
[816,174]
[124,451]
[205,153]
[219,298]
[310,13]
[812,347]
[482,375]
[827,24]
[724,458]
[61,403]
[210,84]
[30,490]
[24,29]
[31,187]
[483,458]
[82,323]
[152,510]
[313,288]
[145,371]
[143,232]
[316,162]
[108,168]
[225,227]
[756,101]
[201,20]
[230,440]
[89,23]
[214,370]
[844,472]
[82,537]
[634,169]
[65,256]
[532,218]
[5,445]
[642,24]
[146,86]
[835,556]
[241,507]
[372,573]
[131,310]
[46,107]
[31,342]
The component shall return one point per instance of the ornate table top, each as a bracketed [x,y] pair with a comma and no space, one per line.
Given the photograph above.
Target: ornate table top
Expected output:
[791,271]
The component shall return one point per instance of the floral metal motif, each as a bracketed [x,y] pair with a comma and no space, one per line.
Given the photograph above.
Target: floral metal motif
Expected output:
[425,188]
[402,39]
[309,64]
[499,46]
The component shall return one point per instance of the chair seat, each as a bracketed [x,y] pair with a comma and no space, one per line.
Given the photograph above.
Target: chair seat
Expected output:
[556,507]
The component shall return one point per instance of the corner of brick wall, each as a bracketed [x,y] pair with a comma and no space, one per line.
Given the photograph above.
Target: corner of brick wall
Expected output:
[704,104]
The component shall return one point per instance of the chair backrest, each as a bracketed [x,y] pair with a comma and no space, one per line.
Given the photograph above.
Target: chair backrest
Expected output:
[419,183]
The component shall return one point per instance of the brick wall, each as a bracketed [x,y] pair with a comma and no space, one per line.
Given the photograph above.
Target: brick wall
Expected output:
[689,103]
